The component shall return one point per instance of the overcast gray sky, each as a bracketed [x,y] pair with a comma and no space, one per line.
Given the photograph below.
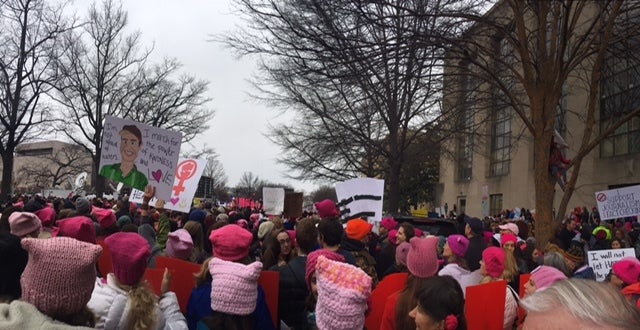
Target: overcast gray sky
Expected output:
[181,29]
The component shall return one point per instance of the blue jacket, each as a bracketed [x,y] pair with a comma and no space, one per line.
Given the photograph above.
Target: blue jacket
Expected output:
[199,307]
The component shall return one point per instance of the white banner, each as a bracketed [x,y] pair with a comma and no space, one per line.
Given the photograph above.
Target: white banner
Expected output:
[361,198]
[273,200]
[602,260]
[618,203]
[187,176]
[139,155]
[60,193]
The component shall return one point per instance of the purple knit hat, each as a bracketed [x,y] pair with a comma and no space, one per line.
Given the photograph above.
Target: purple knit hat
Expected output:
[312,259]
[544,276]
[402,250]
[422,259]
[458,245]
[129,255]
[60,274]
[234,286]
[343,291]
[179,244]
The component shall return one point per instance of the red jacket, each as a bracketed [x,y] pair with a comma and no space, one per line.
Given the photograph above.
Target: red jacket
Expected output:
[632,292]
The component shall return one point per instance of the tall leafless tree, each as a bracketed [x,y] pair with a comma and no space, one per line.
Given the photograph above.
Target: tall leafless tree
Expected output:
[526,53]
[107,73]
[363,78]
[30,34]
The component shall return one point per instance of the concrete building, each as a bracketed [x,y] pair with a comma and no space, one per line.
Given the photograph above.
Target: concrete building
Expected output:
[49,164]
[493,169]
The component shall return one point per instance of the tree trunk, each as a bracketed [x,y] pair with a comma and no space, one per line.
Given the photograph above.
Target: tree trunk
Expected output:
[393,180]
[544,190]
[7,173]
[97,180]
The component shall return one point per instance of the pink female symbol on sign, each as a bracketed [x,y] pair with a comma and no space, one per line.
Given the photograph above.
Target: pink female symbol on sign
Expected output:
[184,172]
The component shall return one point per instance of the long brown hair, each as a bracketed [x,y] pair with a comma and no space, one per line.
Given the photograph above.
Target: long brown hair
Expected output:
[407,301]
[204,275]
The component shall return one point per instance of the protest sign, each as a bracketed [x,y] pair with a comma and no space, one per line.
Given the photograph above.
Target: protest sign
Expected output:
[484,305]
[602,260]
[361,198]
[618,203]
[273,200]
[139,155]
[292,205]
[187,175]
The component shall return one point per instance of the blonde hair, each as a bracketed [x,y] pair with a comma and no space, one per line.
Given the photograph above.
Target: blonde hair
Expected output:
[203,276]
[142,313]
[510,267]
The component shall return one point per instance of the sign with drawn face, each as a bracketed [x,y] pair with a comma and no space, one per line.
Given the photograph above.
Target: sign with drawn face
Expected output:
[139,155]
[187,175]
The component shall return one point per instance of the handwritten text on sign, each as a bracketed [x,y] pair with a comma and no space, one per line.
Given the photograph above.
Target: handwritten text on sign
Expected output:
[154,150]
[602,260]
[618,203]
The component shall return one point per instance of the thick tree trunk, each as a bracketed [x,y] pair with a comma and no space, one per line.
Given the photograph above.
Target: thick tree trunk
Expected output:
[545,224]
[7,173]
[97,180]
[393,181]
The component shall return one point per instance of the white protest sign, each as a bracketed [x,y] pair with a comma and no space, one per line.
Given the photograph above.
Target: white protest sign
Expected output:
[602,260]
[361,198]
[273,200]
[618,203]
[188,173]
[139,155]
[60,193]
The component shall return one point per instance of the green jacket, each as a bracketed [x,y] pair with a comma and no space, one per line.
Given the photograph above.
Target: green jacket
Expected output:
[135,178]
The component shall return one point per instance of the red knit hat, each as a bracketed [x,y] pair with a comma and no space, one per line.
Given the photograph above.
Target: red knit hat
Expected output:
[357,229]
[506,238]
[105,217]
[24,223]
[47,216]
[627,270]
[130,255]
[231,242]
[80,228]
[422,259]
[312,259]
[326,209]
[389,223]
[494,259]
[60,274]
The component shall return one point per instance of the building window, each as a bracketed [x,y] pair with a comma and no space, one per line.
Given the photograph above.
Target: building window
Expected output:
[500,156]
[500,143]
[462,201]
[465,125]
[495,204]
[620,94]
[36,152]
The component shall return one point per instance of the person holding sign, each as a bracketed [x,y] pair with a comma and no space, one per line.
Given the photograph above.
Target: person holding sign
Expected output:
[126,171]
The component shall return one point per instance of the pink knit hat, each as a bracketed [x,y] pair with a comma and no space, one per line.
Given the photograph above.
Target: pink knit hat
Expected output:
[389,223]
[130,255]
[343,291]
[47,215]
[402,251]
[60,274]
[510,226]
[231,242]
[327,208]
[422,259]
[393,236]
[234,286]
[506,238]
[627,270]
[106,217]
[544,276]
[458,245]
[24,223]
[418,233]
[493,259]
[80,228]
[179,244]
[312,259]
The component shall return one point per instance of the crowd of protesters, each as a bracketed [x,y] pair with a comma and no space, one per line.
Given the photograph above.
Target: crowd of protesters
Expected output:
[328,268]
